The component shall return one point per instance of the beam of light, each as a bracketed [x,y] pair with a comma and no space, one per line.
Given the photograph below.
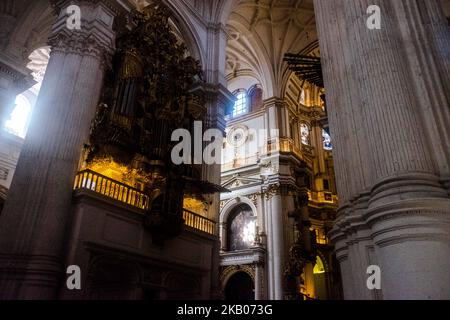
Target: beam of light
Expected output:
[19,118]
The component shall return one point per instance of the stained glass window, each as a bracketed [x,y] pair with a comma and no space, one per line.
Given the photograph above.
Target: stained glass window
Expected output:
[305,132]
[326,141]
[242,229]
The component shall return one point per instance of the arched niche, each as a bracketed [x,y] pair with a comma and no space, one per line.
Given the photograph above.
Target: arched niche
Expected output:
[321,277]
[240,287]
[227,212]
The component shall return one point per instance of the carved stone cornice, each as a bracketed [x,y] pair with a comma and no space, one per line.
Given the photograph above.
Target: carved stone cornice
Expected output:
[13,80]
[254,198]
[81,44]
[17,74]
[253,255]
[274,102]
[272,190]
[227,272]
[96,37]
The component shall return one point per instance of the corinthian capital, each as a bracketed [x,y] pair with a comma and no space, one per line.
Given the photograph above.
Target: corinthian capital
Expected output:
[95,35]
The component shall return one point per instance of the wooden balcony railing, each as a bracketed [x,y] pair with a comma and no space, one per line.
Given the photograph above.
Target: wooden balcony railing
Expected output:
[90,180]
[198,222]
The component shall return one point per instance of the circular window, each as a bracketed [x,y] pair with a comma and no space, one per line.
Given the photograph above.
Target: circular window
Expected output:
[238,136]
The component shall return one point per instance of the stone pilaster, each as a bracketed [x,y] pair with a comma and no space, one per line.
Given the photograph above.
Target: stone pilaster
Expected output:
[259,280]
[39,201]
[387,172]
[218,99]
[317,139]
[275,244]
[276,117]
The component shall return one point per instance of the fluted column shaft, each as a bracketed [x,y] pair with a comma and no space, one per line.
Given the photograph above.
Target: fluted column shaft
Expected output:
[258,281]
[218,99]
[427,44]
[388,173]
[34,220]
[276,248]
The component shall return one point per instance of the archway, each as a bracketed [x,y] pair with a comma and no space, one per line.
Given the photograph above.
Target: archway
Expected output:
[320,280]
[240,287]
[241,228]
[20,117]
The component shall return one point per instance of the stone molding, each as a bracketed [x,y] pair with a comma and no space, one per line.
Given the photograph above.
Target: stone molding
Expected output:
[96,37]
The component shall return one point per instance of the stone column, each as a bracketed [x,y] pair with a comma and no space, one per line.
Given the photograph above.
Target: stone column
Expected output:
[218,99]
[276,118]
[261,223]
[427,42]
[388,173]
[258,281]
[317,143]
[276,247]
[33,222]
[223,236]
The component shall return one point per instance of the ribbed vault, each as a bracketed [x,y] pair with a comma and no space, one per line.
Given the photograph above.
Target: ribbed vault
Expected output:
[260,34]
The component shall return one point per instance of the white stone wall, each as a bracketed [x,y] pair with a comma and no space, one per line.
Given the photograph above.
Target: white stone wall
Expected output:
[10,147]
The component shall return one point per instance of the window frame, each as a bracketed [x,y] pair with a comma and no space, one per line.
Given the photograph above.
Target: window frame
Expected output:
[324,132]
[241,103]
[309,133]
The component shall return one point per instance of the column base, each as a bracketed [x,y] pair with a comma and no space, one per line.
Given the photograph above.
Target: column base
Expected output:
[29,277]
[412,244]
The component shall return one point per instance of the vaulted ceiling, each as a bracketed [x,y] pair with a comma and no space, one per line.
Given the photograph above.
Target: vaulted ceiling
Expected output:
[261,32]
[24,26]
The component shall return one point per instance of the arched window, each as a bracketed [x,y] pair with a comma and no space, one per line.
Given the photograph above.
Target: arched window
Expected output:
[241,229]
[326,141]
[319,266]
[305,134]
[320,280]
[241,104]
[20,116]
